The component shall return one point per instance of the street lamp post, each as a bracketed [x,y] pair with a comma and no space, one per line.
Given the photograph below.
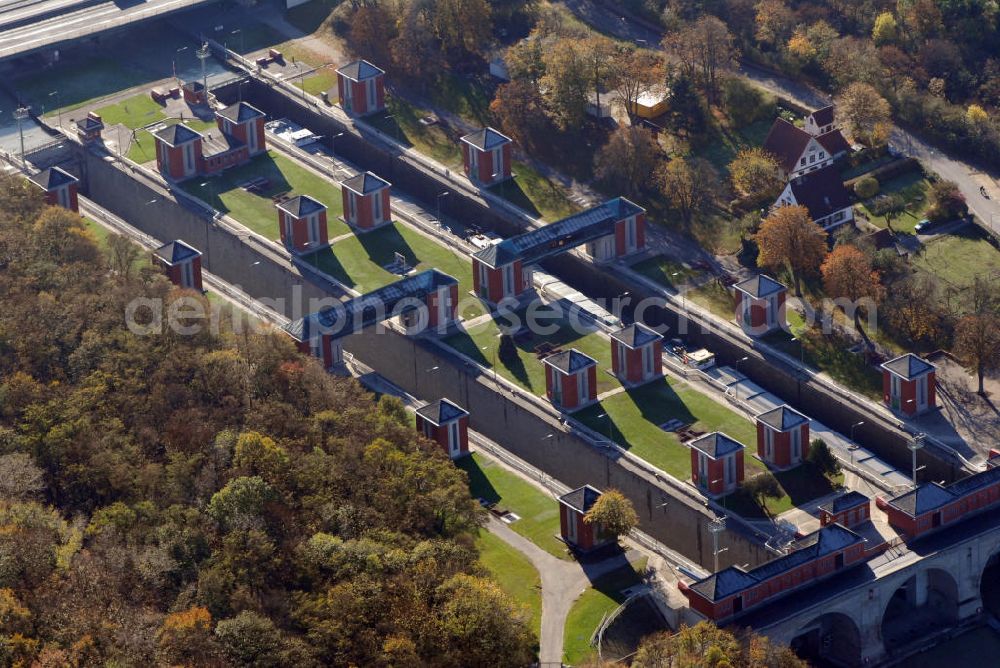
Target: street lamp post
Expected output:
[715,527]
[333,142]
[439,197]
[20,114]
[737,388]
[916,444]
[855,426]
[173,64]
[58,106]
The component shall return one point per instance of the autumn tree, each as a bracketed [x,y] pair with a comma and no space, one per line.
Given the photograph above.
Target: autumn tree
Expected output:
[762,487]
[946,202]
[485,627]
[890,206]
[20,477]
[628,160]
[789,238]
[913,310]
[848,275]
[520,112]
[822,458]
[566,82]
[526,60]
[687,184]
[866,114]
[754,175]
[463,27]
[372,31]
[634,72]
[705,645]
[123,255]
[613,513]
[884,30]
[977,343]
[185,638]
[774,22]
[599,53]
[704,49]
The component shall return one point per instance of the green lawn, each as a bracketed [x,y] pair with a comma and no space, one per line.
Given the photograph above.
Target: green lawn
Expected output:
[599,600]
[715,297]
[535,193]
[728,142]
[322,81]
[134,112]
[913,188]
[257,211]
[514,573]
[402,122]
[358,261]
[959,257]
[482,343]
[663,271]
[100,232]
[538,511]
[143,146]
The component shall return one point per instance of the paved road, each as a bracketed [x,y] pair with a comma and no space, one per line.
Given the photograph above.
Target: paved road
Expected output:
[968,178]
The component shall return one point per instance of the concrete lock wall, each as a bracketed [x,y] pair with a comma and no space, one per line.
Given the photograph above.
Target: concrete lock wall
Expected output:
[427,371]
[771,374]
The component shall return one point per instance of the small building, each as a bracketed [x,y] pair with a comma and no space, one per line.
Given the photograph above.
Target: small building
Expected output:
[244,122]
[931,505]
[366,201]
[59,187]
[194,93]
[580,535]
[181,263]
[314,335]
[302,223]
[782,437]
[486,155]
[821,192]
[178,151]
[848,510]
[447,424]
[89,128]
[799,152]
[716,463]
[814,557]
[651,103]
[760,305]
[820,121]
[636,354]
[361,88]
[220,151]
[570,379]
[909,385]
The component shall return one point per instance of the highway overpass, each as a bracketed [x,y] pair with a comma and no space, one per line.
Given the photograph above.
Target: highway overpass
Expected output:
[28,26]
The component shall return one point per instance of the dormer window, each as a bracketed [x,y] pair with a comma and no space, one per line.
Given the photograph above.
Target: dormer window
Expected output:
[822,155]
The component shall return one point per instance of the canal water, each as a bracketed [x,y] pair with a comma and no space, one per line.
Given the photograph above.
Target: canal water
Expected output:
[978,647]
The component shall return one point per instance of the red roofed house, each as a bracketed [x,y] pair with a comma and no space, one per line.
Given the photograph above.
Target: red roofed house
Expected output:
[60,187]
[366,201]
[244,122]
[716,463]
[302,222]
[760,305]
[782,437]
[447,424]
[361,88]
[848,510]
[570,379]
[908,385]
[181,263]
[636,354]
[823,193]
[573,506]
[820,121]
[800,152]
[486,155]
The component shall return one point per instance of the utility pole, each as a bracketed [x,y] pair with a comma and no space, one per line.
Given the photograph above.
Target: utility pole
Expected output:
[715,527]
[916,444]
[20,114]
[203,54]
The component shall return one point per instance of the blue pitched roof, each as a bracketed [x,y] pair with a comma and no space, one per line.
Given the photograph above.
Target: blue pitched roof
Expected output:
[441,412]
[177,134]
[716,444]
[581,499]
[360,70]
[852,499]
[355,314]
[365,183]
[636,335]
[570,361]
[782,418]
[301,205]
[241,112]
[908,366]
[560,236]
[176,251]
[759,286]
[486,139]
[53,177]
[931,496]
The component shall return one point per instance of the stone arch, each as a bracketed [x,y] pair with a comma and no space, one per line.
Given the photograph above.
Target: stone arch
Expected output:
[927,602]
[989,584]
[831,639]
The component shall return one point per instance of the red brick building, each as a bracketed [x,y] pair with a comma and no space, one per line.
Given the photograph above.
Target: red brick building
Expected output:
[178,151]
[194,93]
[60,187]
[760,305]
[366,201]
[181,263]
[570,379]
[732,591]
[909,385]
[89,128]
[716,463]
[931,506]
[447,424]
[361,88]
[314,335]
[636,354]
[573,506]
[486,155]
[782,437]
[848,510]
[302,224]
[244,122]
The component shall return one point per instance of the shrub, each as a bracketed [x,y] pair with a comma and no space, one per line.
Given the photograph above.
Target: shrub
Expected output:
[508,350]
[946,202]
[744,103]
[866,187]
[822,458]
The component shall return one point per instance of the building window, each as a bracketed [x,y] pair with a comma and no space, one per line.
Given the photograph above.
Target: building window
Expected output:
[371,93]
[796,445]
[802,161]
[556,387]
[822,155]
[454,443]
[428,429]
[497,163]
[647,359]
[377,208]
[630,242]
[187,275]
[922,391]
[839,216]
[768,443]
[314,229]
[508,279]
[352,206]
[583,383]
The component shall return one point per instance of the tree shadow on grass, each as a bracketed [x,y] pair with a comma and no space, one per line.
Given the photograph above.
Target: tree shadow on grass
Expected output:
[804,483]
[210,189]
[511,191]
[382,245]
[465,344]
[326,261]
[743,504]
[659,403]
[479,485]
[599,419]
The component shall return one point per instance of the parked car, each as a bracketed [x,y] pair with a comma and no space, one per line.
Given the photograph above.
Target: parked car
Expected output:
[924,227]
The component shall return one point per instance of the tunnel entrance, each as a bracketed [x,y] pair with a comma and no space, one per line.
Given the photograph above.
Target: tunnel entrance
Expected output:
[831,640]
[925,604]
[989,586]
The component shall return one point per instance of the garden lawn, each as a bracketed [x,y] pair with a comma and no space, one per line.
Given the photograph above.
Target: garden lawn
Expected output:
[134,112]
[402,123]
[257,211]
[589,610]
[728,142]
[960,257]
[715,297]
[358,261]
[100,232]
[535,193]
[321,81]
[662,270]
[482,344]
[538,511]
[515,574]
[913,188]
[143,146]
